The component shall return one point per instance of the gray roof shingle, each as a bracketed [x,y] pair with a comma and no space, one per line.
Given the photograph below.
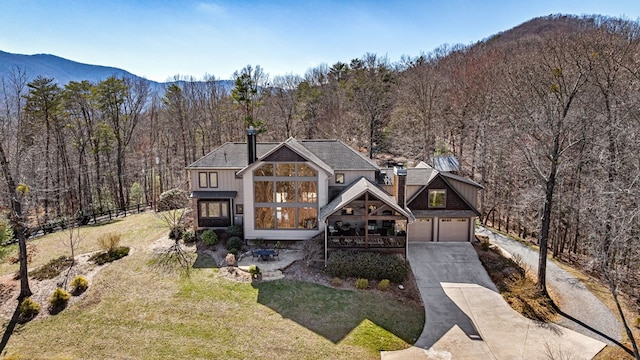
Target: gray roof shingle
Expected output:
[335,153]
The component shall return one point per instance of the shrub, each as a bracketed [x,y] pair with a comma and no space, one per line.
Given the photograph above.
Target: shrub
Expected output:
[230,259]
[362,284]
[383,285]
[234,230]
[176,232]
[189,236]
[28,309]
[337,282]
[109,256]
[344,264]
[109,241]
[51,269]
[234,243]
[59,298]
[254,270]
[209,237]
[485,244]
[79,284]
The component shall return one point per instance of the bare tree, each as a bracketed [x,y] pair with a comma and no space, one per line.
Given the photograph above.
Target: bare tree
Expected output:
[541,109]
[17,221]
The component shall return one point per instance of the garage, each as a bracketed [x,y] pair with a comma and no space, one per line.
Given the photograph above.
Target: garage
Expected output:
[421,230]
[453,229]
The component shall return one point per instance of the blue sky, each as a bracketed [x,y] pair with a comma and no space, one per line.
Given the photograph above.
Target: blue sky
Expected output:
[160,39]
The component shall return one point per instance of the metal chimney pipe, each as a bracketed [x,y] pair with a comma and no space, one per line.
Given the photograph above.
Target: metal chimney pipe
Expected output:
[251,145]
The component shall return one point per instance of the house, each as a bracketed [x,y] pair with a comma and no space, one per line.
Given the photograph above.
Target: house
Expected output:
[300,189]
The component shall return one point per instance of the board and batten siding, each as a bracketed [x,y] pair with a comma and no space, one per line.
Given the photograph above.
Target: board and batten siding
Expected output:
[469,192]
[226,180]
[412,190]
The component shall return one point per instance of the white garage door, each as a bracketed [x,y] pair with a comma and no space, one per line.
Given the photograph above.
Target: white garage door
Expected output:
[453,229]
[421,230]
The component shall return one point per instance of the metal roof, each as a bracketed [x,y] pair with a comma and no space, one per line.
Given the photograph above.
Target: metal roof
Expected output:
[445,163]
[444,213]
[214,194]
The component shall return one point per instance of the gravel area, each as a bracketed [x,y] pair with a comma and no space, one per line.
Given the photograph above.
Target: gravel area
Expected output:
[584,312]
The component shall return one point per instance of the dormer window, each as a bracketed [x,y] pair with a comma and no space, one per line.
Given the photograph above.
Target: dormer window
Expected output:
[437,198]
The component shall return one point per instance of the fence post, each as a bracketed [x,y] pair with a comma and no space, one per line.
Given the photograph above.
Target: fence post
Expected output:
[109,214]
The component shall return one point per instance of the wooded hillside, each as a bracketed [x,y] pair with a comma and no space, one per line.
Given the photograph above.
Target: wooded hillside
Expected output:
[546,116]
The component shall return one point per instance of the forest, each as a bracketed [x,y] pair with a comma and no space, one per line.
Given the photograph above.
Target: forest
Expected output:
[546,116]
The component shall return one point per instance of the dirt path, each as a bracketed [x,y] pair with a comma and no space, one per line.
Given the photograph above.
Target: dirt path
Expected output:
[581,310]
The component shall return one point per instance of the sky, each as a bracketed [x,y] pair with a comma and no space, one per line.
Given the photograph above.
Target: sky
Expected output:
[161,39]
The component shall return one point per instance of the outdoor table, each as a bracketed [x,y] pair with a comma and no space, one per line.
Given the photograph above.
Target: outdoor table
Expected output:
[264,254]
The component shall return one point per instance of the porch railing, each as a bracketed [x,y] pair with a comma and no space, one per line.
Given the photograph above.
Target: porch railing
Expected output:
[373,241]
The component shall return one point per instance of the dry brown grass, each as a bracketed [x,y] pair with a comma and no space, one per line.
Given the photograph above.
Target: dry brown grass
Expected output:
[516,286]
[132,311]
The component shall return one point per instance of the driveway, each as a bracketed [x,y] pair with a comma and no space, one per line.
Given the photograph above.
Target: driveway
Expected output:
[581,310]
[466,318]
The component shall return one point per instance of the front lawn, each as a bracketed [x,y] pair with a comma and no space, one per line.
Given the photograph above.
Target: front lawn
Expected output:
[131,310]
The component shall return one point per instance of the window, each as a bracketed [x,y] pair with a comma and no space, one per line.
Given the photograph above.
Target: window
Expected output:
[286,196]
[214,213]
[213,179]
[214,209]
[339,178]
[437,198]
[208,180]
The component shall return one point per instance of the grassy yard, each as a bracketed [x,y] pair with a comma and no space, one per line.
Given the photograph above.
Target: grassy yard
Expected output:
[132,310]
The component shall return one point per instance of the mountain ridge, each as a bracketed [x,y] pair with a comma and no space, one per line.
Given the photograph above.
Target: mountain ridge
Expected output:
[60,69]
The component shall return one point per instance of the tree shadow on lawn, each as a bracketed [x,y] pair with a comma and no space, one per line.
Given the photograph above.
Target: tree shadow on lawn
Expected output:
[204,261]
[334,313]
[11,326]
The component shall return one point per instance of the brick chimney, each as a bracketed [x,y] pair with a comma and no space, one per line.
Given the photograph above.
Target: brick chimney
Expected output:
[400,185]
[251,145]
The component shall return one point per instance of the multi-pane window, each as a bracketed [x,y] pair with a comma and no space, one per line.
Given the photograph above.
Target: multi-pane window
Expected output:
[286,196]
[208,179]
[214,209]
[437,198]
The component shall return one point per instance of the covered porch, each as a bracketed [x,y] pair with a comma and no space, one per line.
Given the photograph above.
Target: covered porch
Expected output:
[364,217]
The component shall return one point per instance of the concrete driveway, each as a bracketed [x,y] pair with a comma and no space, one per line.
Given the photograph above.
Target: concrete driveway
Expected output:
[466,318]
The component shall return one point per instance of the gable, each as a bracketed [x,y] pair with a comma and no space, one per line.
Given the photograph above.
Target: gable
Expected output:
[284,154]
[453,200]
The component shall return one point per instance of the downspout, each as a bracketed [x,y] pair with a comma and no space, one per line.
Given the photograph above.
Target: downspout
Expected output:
[325,242]
[406,241]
